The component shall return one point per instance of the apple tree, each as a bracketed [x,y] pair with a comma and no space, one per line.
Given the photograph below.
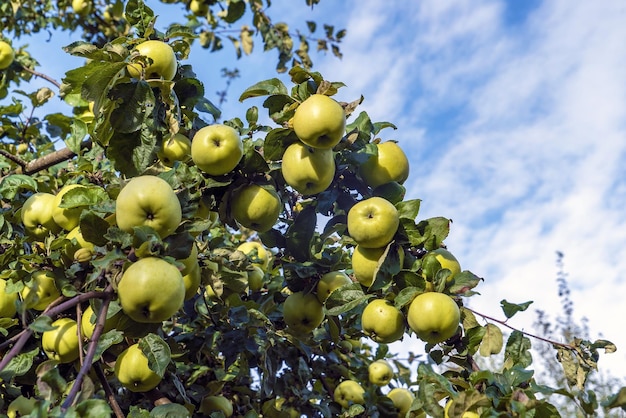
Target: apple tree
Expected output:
[162,263]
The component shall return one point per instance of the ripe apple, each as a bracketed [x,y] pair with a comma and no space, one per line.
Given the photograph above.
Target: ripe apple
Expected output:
[41,291]
[319,121]
[466,414]
[7,301]
[391,164]
[175,148]
[446,260]
[256,275]
[382,321]
[21,407]
[82,7]
[434,317]
[365,262]
[61,343]
[70,249]
[7,55]
[256,207]
[148,200]
[37,217]
[66,218]
[349,392]
[308,170]
[162,61]
[380,372]
[216,149]
[88,322]
[216,403]
[373,222]
[191,261]
[256,252]
[199,7]
[192,281]
[151,290]
[302,312]
[330,282]
[132,370]
[402,399]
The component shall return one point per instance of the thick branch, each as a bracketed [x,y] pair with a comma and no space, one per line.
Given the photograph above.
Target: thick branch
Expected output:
[52,159]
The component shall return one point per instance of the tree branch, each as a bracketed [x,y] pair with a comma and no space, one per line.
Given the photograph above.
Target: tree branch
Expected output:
[42,75]
[108,391]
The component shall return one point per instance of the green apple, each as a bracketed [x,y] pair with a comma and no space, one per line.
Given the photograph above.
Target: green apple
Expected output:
[380,372]
[148,200]
[216,149]
[216,403]
[82,7]
[192,281]
[175,148]
[21,407]
[391,164]
[199,7]
[257,253]
[365,263]
[319,121]
[330,282]
[392,191]
[256,276]
[89,318]
[434,317]
[75,235]
[132,370]
[308,170]
[61,343]
[349,392]
[7,55]
[37,217]
[7,301]
[161,58]
[256,207]
[66,218]
[446,261]
[41,291]
[402,399]
[302,312]
[382,321]
[151,290]
[373,222]
[191,262]
[466,414]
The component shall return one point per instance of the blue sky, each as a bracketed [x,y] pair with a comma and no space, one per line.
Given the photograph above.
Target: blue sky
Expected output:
[513,116]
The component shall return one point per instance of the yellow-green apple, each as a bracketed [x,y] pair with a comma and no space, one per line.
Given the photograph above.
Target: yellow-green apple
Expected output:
[434,317]
[319,121]
[192,281]
[161,61]
[61,343]
[151,290]
[391,164]
[7,55]
[446,259]
[191,261]
[256,275]
[382,321]
[66,218]
[349,392]
[199,7]
[175,148]
[40,291]
[256,207]
[77,242]
[148,200]
[365,261]
[22,148]
[7,301]
[466,414]
[302,312]
[373,222]
[308,170]
[133,372]
[216,149]
[276,408]
[216,403]
[330,282]
[402,399]
[82,7]
[380,372]
[21,407]
[89,318]
[37,217]
[257,253]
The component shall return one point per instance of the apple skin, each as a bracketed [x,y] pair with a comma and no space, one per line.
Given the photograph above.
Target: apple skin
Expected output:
[216,149]
[7,55]
[402,399]
[447,261]
[382,321]
[42,292]
[71,248]
[302,312]
[66,218]
[216,403]
[373,222]
[7,301]
[319,121]
[256,207]
[192,281]
[365,262]
[148,200]
[163,61]
[82,7]
[37,217]
[349,392]
[198,7]
[330,282]
[132,370]
[151,290]
[175,148]
[61,344]
[87,326]
[256,275]
[391,164]
[308,170]
[434,317]
[257,253]
[380,372]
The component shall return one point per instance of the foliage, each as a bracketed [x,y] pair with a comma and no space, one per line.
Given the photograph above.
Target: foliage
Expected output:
[228,339]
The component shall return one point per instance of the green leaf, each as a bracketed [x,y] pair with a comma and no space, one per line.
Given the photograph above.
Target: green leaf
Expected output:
[135,103]
[405,296]
[106,341]
[132,153]
[492,341]
[363,124]
[511,309]
[206,106]
[428,234]
[157,351]
[388,266]
[83,196]
[517,351]
[100,80]
[78,133]
[94,408]
[140,16]
[15,183]
[170,410]
[280,107]
[408,208]
[463,282]
[264,88]
[300,233]
[276,142]
[19,365]
[345,299]
[93,228]
[617,400]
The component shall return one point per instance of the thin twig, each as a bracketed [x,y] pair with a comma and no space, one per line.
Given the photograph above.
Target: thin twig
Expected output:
[42,75]
[108,391]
